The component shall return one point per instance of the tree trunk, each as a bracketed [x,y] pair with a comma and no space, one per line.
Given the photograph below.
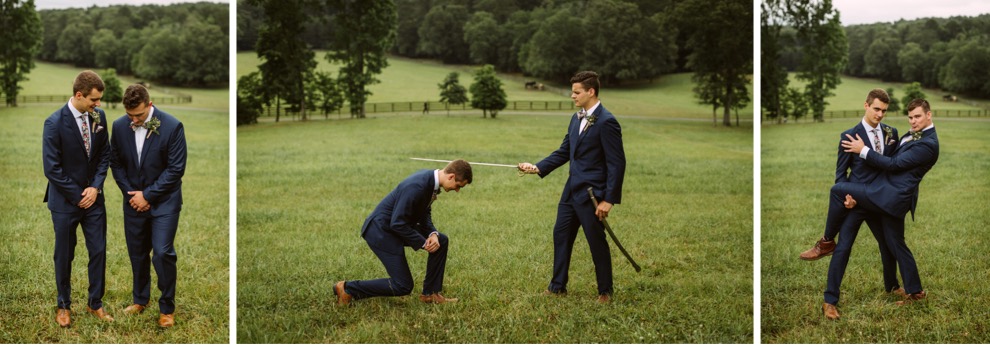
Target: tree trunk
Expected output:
[278,108]
[302,105]
[727,115]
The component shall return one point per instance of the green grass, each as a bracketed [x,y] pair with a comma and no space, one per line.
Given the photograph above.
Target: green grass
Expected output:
[851,94]
[412,80]
[26,268]
[948,240]
[304,190]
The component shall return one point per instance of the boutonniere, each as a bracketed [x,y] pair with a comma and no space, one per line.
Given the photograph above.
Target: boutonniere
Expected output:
[915,135]
[591,120]
[151,125]
[889,133]
[94,117]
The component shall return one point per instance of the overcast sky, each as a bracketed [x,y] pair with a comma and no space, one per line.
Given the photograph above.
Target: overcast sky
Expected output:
[50,4]
[875,11]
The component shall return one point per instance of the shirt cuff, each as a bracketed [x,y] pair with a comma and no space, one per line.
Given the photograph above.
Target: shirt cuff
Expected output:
[864,152]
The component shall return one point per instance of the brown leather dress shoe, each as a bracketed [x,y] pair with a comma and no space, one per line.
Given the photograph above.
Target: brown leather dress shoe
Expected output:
[436,298]
[134,309]
[911,298]
[899,292]
[604,299]
[63,318]
[343,298]
[100,314]
[166,320]
[551,293]
[821,249]
[830,311]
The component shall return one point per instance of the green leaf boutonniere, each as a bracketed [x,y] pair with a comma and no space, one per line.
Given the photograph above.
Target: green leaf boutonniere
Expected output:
[152,125]
[915,135]
[889,133]
[94,116]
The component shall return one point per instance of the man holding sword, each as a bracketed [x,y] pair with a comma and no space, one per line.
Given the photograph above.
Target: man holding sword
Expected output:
[593,146]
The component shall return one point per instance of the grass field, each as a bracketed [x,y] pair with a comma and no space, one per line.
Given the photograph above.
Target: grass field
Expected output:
[947,238]
[304,190]
[411,80]
[27,291]
[851,94]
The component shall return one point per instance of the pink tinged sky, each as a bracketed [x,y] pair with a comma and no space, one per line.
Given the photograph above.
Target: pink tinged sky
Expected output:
[876,11]
[53,4]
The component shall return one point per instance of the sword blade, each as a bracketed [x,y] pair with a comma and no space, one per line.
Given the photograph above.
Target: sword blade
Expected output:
[612,234]
[472,163]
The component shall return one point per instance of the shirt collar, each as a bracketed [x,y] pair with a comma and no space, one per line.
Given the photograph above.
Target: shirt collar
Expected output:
[593,108]
[436,181]
[75,112]
[868,127]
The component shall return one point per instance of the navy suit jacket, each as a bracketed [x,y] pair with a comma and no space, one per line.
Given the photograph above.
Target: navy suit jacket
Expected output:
[163,162]
[596,156]
[405,213]
[848,166]
[68,169]
[896,191]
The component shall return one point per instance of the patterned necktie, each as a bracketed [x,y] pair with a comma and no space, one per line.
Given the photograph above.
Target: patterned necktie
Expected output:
[85,134]
[876,140]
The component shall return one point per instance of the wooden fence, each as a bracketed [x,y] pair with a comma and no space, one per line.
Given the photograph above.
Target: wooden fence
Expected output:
[429,107]
[178,98]
[831,114]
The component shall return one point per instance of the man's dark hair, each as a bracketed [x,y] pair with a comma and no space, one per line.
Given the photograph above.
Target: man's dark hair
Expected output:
[880,94]
[919,102]
[86,81]
[588,80]
[135,95]
[461,170]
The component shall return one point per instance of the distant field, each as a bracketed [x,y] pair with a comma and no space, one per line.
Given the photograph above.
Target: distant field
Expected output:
[851,94]
[411,80]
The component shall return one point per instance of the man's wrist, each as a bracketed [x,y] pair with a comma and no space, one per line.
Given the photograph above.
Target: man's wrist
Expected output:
[864,152]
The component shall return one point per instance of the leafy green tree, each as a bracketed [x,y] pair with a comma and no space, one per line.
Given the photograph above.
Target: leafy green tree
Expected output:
[912,91]
[410,16]
[717,34]
[552,52]
[74,45]
[968,70]
[895,104]
[451,91]
[773,76]
[157,61]
[363,33]
[331,98]
[286,59]
[621,43]
[485,38]
[249,19]
[486,92]
[113,93]
[881,58]
[914,64]
[794,104]
[203,59]
[441,33]
[250,98]
[20,32]
[824,49]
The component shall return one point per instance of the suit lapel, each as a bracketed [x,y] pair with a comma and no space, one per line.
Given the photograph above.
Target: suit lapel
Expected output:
[70,122]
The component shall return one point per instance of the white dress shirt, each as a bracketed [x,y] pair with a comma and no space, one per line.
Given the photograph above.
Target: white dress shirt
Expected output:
[872,135]
[140,135]
[80,117]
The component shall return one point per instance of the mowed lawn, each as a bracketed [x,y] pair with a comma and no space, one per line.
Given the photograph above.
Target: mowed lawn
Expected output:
[851,94]
[948,239]
[27,291]
[304,189]
[415,80]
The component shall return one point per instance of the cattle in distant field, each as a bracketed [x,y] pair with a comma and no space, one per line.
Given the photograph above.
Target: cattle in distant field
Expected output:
[950,98]
[533,85]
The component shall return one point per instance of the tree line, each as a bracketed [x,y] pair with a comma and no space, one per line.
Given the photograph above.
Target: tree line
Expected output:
[624,41]
[807,37]
[180,44]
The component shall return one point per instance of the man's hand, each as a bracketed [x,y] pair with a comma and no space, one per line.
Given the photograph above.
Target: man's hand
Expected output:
[850,202]
[88,197]
[138,202]
[432,243]
[603,208]
[853,145]
[528,168]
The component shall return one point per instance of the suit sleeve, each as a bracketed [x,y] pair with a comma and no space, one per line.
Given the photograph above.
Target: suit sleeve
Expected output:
[556,158]
[170,178]
[51,151]
[117,160]
[844,161]
[104,154]
[922,153]
[404,219]
[615,160]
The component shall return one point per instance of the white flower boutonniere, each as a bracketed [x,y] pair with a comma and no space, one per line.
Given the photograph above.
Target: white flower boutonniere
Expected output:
[94,117]
[152,126]
[889,133]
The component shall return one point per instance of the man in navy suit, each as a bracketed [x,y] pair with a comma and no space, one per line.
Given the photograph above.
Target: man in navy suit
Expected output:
[404,219]
[76,155]
[148,161]
[893,193]
[593,146]
[849,168]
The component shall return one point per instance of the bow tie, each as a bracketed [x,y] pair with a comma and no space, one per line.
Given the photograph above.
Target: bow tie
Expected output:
[582,114]
[135,126]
